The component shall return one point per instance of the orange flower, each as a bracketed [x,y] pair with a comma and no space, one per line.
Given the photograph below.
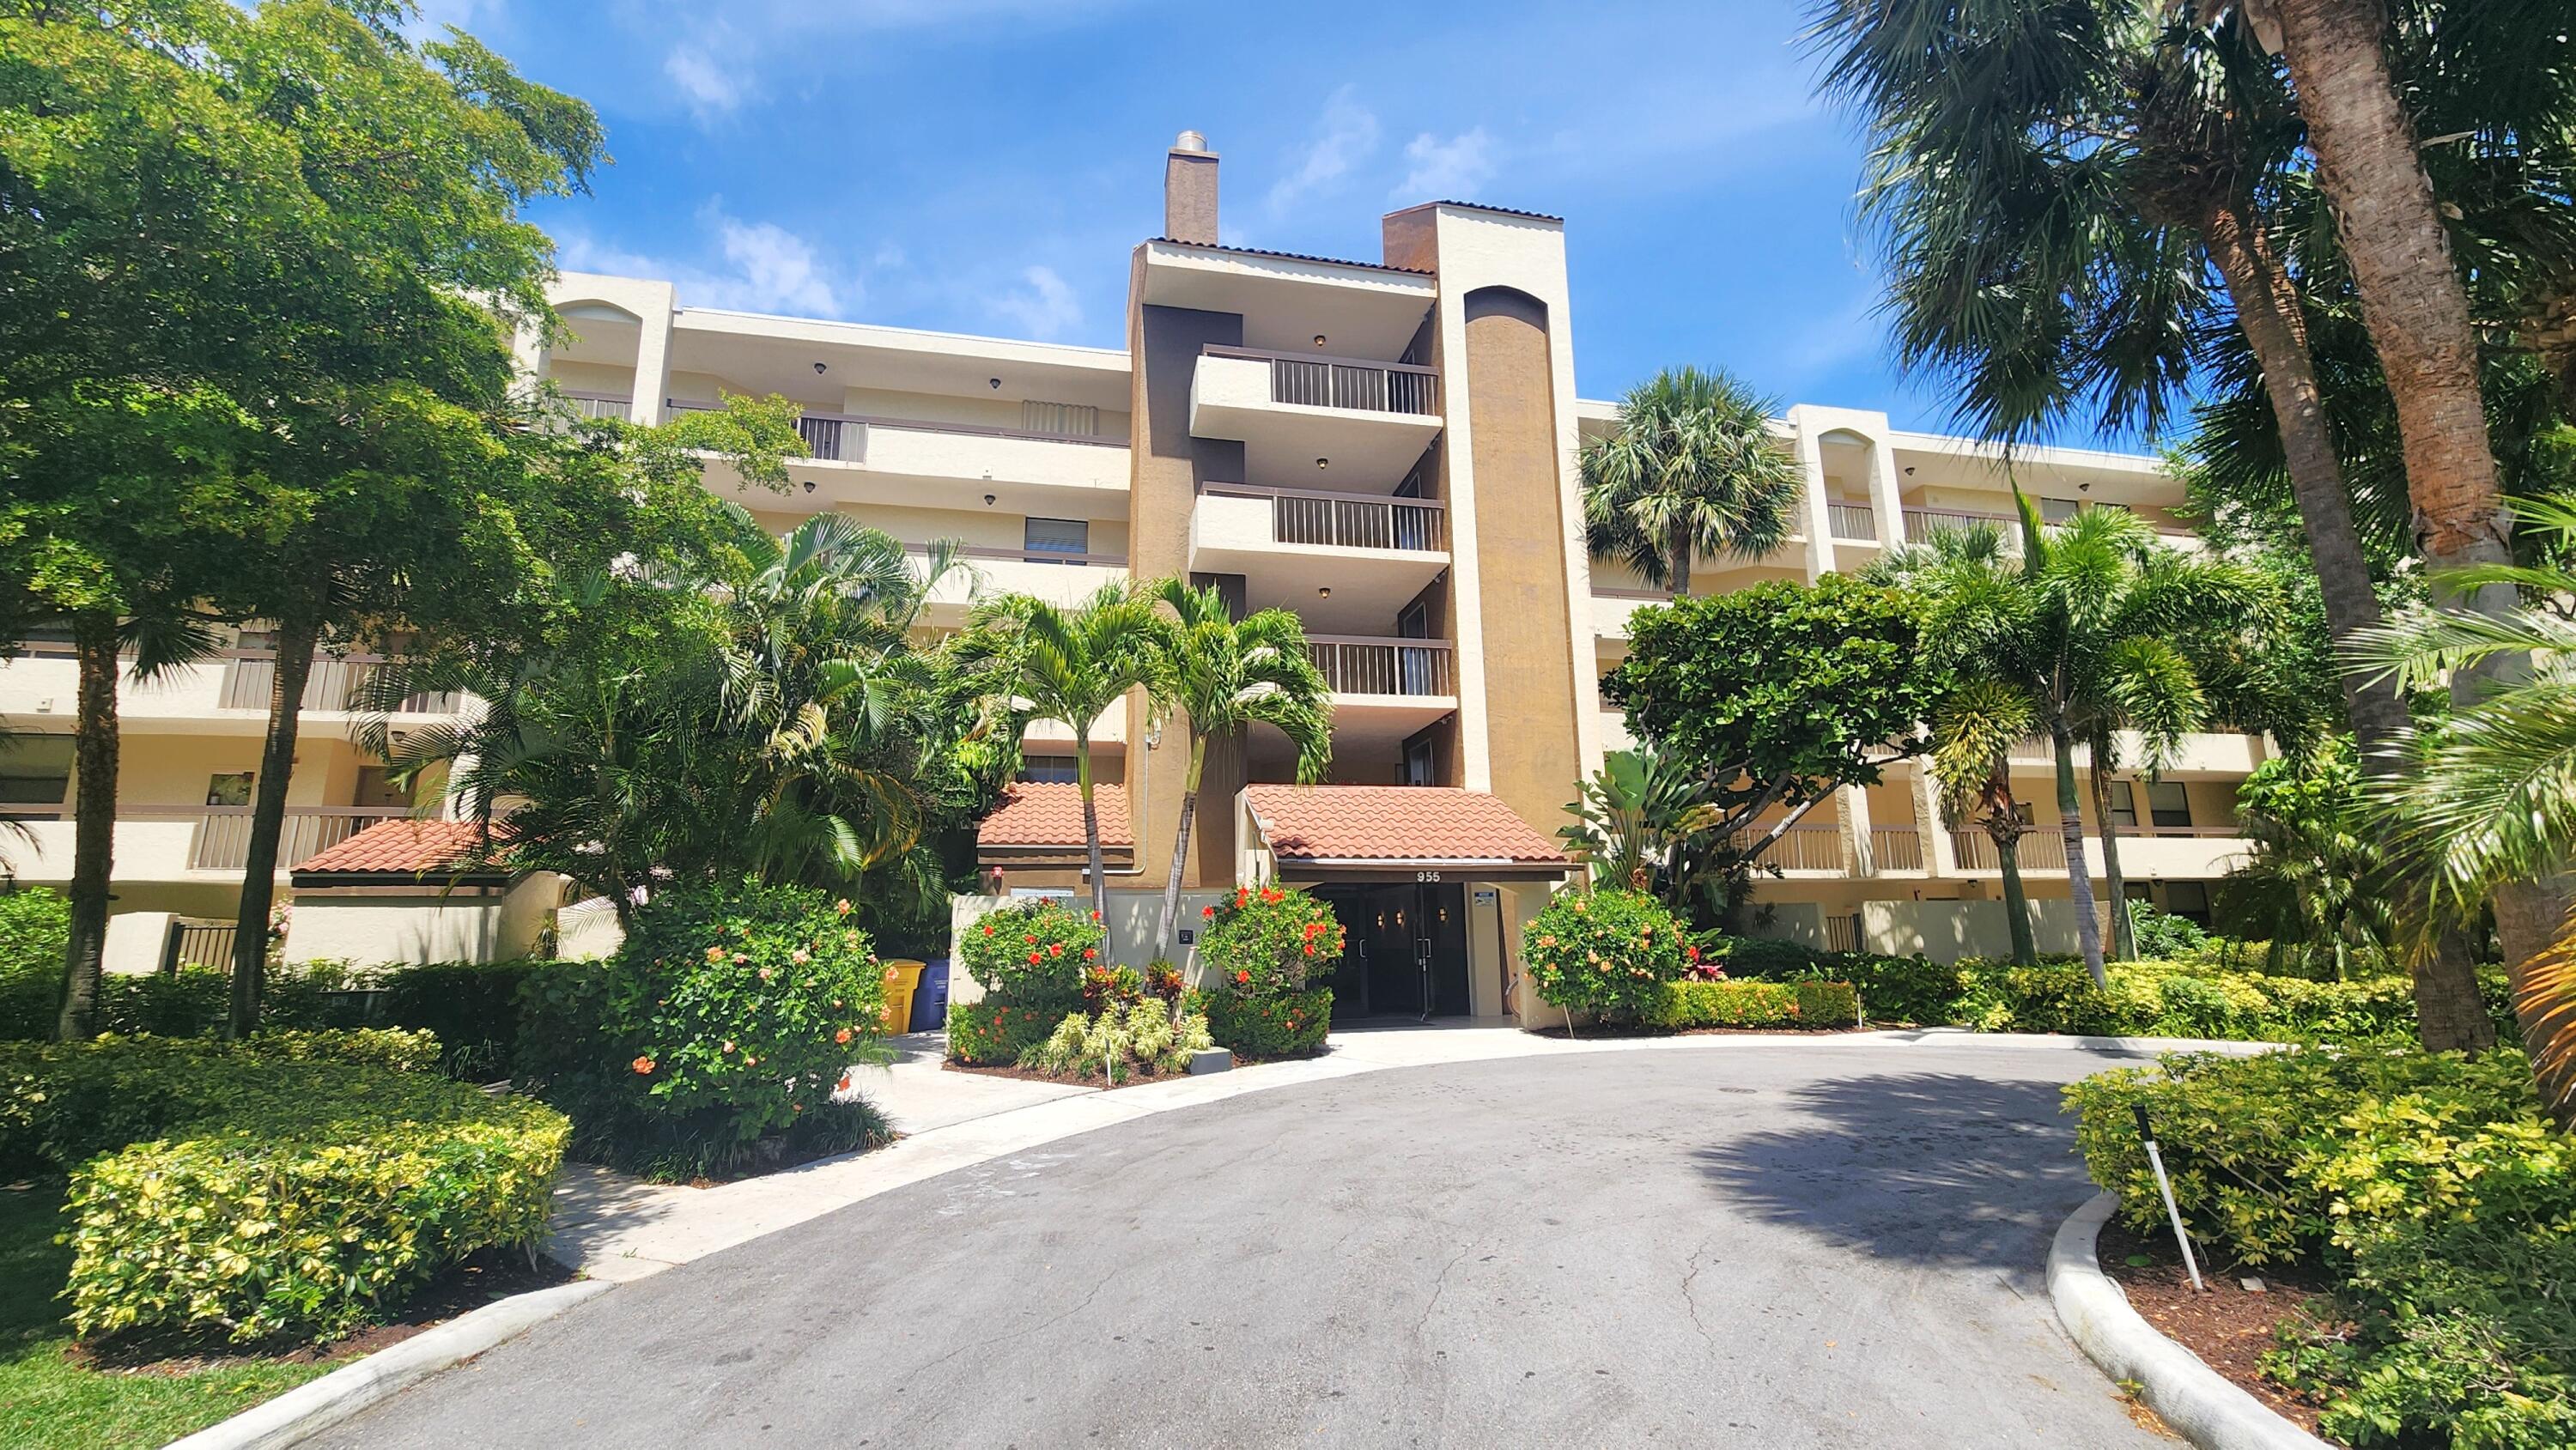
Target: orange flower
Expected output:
[643,1066]
[842,1036]
[728,1047]
[1056,950]
[1242,978]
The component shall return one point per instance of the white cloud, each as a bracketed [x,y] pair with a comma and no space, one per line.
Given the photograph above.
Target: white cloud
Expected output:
[1345,135]
[709,68]
[1445,170]
[767,268]
[1046,308]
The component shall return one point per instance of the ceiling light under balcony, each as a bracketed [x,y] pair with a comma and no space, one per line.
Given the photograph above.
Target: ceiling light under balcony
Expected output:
[1324,592]
[1323,463]
[1319,339]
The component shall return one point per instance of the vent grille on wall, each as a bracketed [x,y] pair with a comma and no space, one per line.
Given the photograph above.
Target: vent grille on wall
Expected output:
[1072,418]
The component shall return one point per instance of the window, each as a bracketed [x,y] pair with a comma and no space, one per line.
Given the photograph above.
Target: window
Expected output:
[1416,768]
[2167,805]
[1057,536]
[1050,769]
[230,787]
[1072,418]
[36,770]
[2189,900]
[2124,805]
[376,788]
[2057,510]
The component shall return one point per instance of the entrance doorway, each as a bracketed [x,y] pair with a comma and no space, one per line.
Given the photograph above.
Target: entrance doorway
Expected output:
[1406,946]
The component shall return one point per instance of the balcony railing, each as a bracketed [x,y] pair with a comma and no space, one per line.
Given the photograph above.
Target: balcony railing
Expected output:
[336,683]
[1343,382]
[601,405]
[1361,666]
[223,834]
[841,437]
[1854,521]
[1033,556]
[1921,524]
[2043,848]
[1347,520]
[1895,848]
[1800,848]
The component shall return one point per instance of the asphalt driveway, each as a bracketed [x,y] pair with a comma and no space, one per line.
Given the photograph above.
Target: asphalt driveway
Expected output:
[1746,1243]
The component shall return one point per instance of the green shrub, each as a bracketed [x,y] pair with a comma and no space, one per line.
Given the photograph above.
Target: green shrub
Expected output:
[717,1035]
[1729,1003]
[63,1102]
[2431,1187]
[1032,953]
[1282,1024]
[1756,956]
[194,1001]
[994,1033]
[1267,940]
[35,933]
[1912,989]
[318,995]
[303,1213]
[472,1006]
[2162,936]
[1607,953]
[1120,1043]
[2051,997]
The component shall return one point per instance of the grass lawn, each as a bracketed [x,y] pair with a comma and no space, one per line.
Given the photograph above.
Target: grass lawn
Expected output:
[47,1402]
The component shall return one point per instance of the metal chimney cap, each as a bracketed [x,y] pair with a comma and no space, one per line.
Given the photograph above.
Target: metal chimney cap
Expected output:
[1190,141]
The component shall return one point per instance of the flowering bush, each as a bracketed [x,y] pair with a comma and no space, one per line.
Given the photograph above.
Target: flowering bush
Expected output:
[1033,953]
[716,1036]
[1280,1025]
[1605,952]
[994,1032]
[1266,940]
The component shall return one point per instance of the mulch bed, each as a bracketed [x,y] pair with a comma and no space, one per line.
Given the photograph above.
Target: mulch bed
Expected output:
[2229,1327]
[488,1275]
[1092,1080]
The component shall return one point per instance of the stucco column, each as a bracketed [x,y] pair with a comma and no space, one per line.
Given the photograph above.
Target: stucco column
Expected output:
[1819,523]
[1938,858]
[1852,804]
[653,362]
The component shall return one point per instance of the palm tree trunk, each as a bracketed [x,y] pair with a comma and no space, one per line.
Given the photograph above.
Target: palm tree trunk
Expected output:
[1091,841]
[296,638]
[2079,873]
[1680,568]
[93,821]
[2124,935]
[2450,1015]
[1181,844]
[2025,946]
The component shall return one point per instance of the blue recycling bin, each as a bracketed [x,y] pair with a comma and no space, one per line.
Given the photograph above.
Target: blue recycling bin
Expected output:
[930,998]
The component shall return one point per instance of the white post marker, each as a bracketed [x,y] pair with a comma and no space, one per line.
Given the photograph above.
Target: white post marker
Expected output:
[2164,1185]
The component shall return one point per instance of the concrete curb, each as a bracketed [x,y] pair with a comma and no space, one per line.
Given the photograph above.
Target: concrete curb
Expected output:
[310,1408]
[2197,1401]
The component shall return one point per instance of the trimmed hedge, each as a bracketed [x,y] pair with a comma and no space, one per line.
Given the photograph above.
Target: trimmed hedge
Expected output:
[191,1002]
[993,1033]
[2431,1188]
[1754,1004]
[1277,1025]
[35,932]
[292,1185]
[473,1007]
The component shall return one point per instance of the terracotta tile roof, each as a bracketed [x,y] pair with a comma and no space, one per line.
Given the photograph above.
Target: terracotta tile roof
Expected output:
[1047,814]
[399,847]
[1393,823]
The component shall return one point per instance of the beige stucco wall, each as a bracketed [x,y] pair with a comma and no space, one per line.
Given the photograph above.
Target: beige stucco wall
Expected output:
[467,925]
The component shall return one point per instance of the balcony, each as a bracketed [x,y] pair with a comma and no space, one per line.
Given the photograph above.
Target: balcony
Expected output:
[1384,689]
[180,843]
[227,695]
[337,683]
[1800,851]
[1611,608]
[1852,523]
[2184,852]
[885,460]
[1895,850]
[1060,579]
[1372,552]
[601,405]
[1366,420]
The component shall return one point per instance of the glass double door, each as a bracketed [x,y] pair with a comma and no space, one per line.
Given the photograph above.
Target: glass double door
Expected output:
[1406,949]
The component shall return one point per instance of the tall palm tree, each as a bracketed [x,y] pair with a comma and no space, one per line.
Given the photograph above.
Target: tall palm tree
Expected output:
[1228,675]
[1034,660]
[1689,466]
[2086,624]
[2492,799]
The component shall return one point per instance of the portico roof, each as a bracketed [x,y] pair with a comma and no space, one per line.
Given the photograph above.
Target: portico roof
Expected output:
[1360,827]
[1043,815]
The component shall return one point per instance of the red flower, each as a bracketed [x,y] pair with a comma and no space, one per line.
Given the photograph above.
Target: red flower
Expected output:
[1095,915]
[1207,911]
[842,1036]
[988,931]
[1033,959]
[1242,978]
[643,1066]
[1056,950]
[1091,954]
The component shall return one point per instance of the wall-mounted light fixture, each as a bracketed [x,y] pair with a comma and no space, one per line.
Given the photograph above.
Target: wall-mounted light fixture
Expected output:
[809,485]
[988,500]
[993,383]
[1323,463]
[1325,592]
[1319,339]
[818,369]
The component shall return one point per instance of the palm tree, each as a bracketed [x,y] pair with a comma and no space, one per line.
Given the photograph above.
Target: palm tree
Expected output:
[1645,822]
[2315,873]
[2085,624]
[1228,675]
[2492,799]
[1034,660]
[1689,466]
[1974,729]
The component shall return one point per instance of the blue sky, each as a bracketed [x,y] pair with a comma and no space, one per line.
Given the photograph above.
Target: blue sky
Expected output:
[987,165]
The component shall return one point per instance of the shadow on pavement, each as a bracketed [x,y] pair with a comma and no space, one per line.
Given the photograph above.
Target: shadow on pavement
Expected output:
[1939,1169]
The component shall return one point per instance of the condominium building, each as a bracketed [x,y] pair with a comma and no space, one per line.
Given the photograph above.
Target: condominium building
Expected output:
[1388,447]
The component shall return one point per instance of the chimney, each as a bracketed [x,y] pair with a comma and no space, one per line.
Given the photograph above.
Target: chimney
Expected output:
[1189,190]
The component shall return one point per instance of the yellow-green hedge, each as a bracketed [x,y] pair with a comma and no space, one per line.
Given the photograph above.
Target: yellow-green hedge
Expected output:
[1754,1004]
[272,1189]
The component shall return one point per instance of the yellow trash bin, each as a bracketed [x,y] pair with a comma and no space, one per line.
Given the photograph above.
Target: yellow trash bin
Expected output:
[902,975]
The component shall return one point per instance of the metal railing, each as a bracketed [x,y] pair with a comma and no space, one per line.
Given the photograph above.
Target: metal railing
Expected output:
[2040,849]
[602,405]
[1921,524]
[1842,932]
[843,434]
[1800,848]
[1855,521]
[223,832]
[1347,520]
[197,941]
[1343,382]
[1356,665]
[1895,848]
[336,682]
